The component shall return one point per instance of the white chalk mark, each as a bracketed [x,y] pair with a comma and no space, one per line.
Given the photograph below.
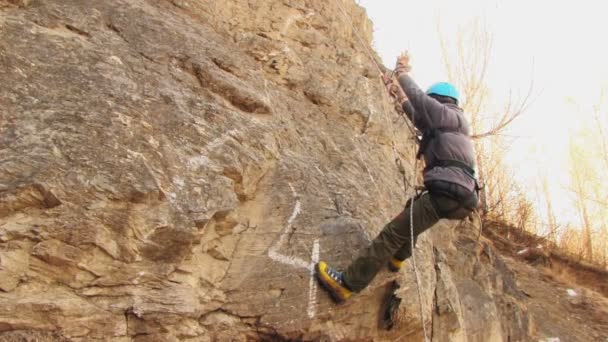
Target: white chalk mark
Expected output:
[368,94]
[199,161]
[312,287]
[288,260]
[267,98]
[273,252]
[293,191]
[364,164]
[384,214]
[550,339]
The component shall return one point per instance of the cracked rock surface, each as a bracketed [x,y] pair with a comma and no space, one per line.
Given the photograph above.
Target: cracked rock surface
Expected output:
[170,170]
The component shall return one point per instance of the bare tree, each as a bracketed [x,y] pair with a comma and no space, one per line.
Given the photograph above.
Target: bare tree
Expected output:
[600,194]
[468,70]
[570,241]
[552,222]
[588,160]
[603,138]
[580,179]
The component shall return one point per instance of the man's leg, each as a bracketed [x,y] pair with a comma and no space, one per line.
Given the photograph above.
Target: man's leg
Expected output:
[445,208]
[394,236]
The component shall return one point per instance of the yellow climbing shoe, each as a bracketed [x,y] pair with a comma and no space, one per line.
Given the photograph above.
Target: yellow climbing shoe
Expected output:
[394,265]
[332,281]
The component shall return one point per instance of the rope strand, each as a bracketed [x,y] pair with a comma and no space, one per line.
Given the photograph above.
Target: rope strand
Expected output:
[397,161]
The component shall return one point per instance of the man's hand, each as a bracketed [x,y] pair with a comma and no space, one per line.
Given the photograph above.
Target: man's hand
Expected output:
[403,64]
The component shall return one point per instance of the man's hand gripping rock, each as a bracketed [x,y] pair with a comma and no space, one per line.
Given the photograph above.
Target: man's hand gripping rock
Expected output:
[392,86]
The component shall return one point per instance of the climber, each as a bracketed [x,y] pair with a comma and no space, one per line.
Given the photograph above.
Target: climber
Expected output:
[451,188]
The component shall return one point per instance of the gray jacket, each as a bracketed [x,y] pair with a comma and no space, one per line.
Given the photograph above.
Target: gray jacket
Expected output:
[451,140]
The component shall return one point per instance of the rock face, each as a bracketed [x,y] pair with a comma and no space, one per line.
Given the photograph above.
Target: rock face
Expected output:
[171,169]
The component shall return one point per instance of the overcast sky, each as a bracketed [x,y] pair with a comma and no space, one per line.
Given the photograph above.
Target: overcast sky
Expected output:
[562,42]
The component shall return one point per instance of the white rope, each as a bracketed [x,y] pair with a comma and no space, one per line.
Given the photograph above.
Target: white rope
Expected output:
[426,338]
[397,160]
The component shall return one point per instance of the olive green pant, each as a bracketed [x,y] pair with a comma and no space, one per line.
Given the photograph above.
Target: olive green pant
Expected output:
[394,239]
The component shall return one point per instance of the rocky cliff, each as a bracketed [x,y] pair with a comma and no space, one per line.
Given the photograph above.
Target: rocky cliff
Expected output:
[171,169]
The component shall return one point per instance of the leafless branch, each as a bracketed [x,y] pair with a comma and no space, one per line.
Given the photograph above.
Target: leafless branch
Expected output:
[509,114]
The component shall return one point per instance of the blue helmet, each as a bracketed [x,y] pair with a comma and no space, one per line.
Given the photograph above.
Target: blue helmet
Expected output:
[444,89]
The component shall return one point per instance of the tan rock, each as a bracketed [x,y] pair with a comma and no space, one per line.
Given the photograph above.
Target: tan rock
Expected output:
[170,170]
[14,263]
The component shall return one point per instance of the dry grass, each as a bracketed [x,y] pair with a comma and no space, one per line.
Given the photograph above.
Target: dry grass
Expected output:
[556,264]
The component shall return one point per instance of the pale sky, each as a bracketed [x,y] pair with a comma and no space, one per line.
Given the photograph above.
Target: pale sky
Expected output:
[562,43]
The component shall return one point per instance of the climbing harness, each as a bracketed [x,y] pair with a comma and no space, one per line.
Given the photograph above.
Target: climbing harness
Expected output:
[400,168]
